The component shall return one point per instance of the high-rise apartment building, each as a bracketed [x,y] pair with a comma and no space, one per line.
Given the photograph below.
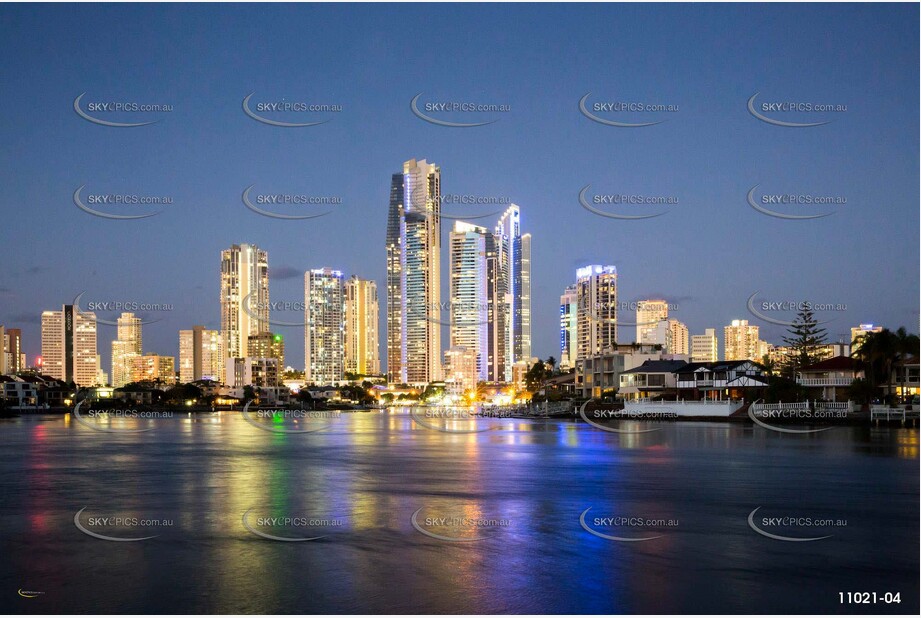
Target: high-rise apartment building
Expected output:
[69,345]
[740,341]
[324,326]
[648,315]
[596,293]
[201,355]
[267,345]
[153,368]
[569,320]
[705,348]
[362,311]
[469,293]
[514,254]
[678,336]
[12,356]
[864,329]
[126,348]
[414,260]
[244,297]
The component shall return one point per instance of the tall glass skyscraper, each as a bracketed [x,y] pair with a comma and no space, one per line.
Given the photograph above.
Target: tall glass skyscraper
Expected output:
[469,293]
[596,290]
[244,297]
[414,274]
[324,326]
[514,254]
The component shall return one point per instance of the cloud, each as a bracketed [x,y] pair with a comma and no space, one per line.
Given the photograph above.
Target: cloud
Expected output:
[279,273]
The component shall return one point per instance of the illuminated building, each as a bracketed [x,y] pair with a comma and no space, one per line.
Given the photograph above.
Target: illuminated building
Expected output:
[569,320]
[267,345]
[126,348]
[153,368]
[324,325]
[740,341]
[250,371]
[201,355]
[362,349]
[414,275]
[705,348]
[69,345]
[469,329]
[123,355]
[863,329]
[514,255]
[244,297]
[13,358]
[460,370]
[596,293]
[648,315]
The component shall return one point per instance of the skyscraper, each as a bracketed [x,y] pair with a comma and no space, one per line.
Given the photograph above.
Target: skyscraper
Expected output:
[523,346]
[414,259]
[126,348]
[11,341]
[569,319]
[469,293]
[740,341]
[324,326]
[129,329]
[648,315]
[514,251]
[705,348]
[362,350]
[267,345]
[244,297]
[498,309]
[201,355]
[678,334]
[596,293]
[69,345]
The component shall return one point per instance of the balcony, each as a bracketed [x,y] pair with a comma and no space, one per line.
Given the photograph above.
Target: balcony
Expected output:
[830,381]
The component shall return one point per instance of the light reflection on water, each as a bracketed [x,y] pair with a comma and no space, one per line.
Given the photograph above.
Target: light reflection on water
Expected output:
[373,470]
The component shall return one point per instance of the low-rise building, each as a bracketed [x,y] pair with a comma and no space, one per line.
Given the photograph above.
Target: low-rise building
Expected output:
[829,379]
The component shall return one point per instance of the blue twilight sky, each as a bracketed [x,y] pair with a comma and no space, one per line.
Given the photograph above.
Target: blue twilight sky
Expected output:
[707,255]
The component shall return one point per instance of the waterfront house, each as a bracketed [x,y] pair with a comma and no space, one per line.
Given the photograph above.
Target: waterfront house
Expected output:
[828,380]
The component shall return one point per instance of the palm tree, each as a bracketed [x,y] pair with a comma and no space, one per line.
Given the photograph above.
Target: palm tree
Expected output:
[879,353]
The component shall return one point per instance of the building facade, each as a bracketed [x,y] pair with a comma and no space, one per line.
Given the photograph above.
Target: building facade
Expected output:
[414,275]
[648,315]
[468,289]
[705,348]
[69,345]
[324,326]
[244,297]
[201,355]
[362,349]
[740,341]
[596,291]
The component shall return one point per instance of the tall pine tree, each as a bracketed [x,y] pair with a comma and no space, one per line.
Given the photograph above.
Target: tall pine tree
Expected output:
[805,341]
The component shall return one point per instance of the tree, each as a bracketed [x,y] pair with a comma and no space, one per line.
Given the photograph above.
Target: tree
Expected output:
[805,340]
[879,352]
[536,375]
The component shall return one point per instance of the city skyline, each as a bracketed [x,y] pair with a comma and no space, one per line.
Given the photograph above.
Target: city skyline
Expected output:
[709,154]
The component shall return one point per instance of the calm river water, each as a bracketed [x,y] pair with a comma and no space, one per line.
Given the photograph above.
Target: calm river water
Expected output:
[377,512]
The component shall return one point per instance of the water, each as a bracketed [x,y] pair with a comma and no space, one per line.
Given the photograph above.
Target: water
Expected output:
[369,472]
